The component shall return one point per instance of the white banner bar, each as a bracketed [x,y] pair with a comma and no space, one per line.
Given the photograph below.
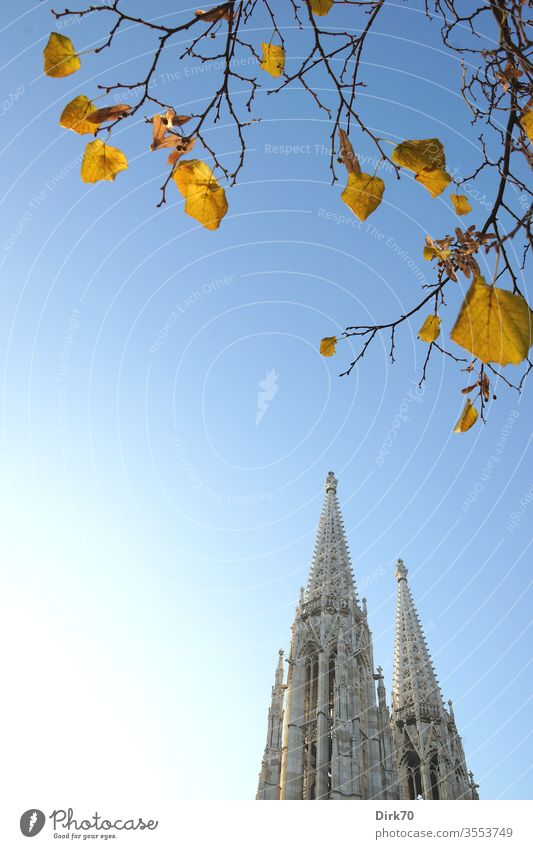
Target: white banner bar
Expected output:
[254,825]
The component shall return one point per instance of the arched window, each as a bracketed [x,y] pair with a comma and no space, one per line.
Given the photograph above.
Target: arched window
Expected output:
[412,771]
[434,776]
[309,741]
[331,708]
[311,683]
[462,783]
[309,776]
[331,682]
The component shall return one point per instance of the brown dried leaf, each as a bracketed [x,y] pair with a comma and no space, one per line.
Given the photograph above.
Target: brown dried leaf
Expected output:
[181,149]
[347,154]
[179,120]
[219,13]
[468,389]
[169,141]
[511,71]
[159,128]
[109,113]
[161,124]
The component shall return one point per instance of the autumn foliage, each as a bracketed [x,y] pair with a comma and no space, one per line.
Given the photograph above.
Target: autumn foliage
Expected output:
[494,324]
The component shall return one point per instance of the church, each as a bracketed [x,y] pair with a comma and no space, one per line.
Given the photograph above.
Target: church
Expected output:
[330,733]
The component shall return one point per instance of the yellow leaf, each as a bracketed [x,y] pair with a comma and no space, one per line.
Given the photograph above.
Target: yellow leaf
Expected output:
[493,324]
[460,202]
[273,60]
[432,252]
[426,158]
[101,162]
[60,58]
[467,418]
[430,330]
[320,7]
[205,200]
[420,155]
[435,181]
[75,116]
[327,346]
[363,194]
[526,119]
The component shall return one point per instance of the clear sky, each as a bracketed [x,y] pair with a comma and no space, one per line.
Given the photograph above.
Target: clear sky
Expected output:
[153,534]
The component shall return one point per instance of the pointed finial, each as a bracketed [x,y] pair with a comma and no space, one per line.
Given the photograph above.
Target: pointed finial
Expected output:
[363,600]
[331,482]
[278,680]
[378,676]
[450,705]
[401,571]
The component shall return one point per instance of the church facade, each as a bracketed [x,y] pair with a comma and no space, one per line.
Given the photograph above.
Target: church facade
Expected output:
[330,733]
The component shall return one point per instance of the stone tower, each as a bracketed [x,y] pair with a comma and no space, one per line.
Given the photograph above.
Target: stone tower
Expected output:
[429,753]
[329,734]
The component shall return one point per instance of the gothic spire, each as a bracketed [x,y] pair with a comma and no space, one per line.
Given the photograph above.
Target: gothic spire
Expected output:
[415,688]
[269,777]
[429,753]
[331,573]
[329,734]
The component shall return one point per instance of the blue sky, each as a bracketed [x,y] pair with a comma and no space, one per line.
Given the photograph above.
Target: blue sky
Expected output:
[153,536]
